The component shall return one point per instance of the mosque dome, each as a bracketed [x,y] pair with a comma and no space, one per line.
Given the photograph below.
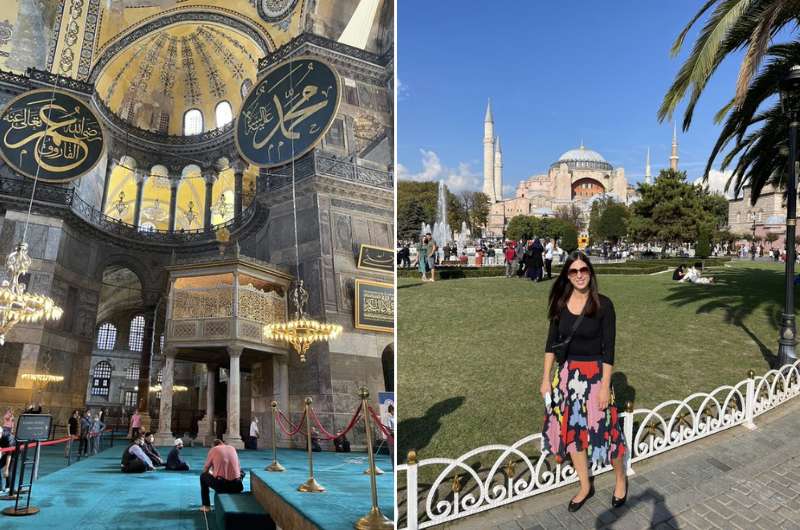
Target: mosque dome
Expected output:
[582,158]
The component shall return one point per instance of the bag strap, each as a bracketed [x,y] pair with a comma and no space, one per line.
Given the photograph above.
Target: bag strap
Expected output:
[576,323]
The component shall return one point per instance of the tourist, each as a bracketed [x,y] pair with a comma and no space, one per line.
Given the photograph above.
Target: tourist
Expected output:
[95,432]
[390,424]
[136,424]
[422,258]
[252,440]
[341,444]
[150,449]
[463,260]
[405,257]
[175,461]
[6,441]
[432,248]
[134,459]
[511,256]
[538,262]
[479,258]
[8,421]
[679,272]
[72,432]
[86,426]
[548,258]
[581,413]
[221,473]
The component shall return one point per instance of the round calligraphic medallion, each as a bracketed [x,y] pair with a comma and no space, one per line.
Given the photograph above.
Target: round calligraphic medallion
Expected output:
[287,112]
[50,134]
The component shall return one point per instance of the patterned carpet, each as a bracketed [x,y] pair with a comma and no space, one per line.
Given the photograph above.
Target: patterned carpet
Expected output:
[94,495]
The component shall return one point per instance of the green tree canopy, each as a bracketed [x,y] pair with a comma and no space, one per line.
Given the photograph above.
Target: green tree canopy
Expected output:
[608,220]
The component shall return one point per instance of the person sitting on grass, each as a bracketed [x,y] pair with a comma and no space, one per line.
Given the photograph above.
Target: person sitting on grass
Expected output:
[175,461]
[694,275]
[221,473]
[151,451]
[680,272]
[133,458]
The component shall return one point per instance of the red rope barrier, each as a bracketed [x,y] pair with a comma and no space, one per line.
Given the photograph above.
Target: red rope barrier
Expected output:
[384,429]
[34,444]
[282,416]
[331,437]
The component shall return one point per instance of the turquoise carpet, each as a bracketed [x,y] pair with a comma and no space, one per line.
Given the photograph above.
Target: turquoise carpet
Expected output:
[94,495]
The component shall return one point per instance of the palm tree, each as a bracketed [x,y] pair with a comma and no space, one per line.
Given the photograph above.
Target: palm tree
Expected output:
[731,26]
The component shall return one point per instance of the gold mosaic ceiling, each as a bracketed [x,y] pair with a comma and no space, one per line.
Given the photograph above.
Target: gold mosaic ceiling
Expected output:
[153,82]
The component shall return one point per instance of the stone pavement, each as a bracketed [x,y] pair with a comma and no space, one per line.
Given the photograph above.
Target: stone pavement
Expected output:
[738,479]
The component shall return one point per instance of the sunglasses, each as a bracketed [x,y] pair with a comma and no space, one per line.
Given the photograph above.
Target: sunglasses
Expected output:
[583,271]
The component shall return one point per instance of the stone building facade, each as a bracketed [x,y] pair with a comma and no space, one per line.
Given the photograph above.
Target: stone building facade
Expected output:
[766,216]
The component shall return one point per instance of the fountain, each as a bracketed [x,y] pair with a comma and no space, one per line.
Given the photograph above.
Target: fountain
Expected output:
[462,237]
[441,230]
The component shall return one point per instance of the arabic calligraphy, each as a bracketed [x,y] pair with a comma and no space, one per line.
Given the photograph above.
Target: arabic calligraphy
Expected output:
[51,134]
[287,112]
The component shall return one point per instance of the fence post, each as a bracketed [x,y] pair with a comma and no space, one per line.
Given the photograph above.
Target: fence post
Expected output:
[750,400]
[411,491]
[628,428]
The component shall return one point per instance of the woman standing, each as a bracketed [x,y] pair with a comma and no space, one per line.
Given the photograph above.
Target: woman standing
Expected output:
[422,258]
[582,417]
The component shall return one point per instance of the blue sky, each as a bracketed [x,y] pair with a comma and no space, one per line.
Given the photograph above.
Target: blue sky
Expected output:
[557,72]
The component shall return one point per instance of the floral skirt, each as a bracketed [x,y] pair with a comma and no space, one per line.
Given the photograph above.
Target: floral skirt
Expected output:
[575,421]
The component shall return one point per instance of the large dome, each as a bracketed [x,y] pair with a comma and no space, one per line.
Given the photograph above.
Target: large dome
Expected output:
[582,158]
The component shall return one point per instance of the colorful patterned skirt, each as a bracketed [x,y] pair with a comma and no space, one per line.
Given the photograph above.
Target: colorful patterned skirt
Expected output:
[576,422]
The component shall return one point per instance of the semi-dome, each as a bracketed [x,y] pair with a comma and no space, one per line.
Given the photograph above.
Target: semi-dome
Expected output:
[582,158]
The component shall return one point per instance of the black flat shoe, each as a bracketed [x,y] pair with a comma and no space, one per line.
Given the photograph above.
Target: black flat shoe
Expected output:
[575,506]
[615,502]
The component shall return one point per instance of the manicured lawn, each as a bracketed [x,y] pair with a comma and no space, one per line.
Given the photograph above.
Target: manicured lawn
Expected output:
[471,350]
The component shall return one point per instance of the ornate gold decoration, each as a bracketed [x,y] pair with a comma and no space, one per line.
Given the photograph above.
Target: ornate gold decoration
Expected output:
[302,331]
[311,485]
[16,305]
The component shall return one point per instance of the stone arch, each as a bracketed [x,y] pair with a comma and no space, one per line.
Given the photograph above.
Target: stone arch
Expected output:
[587,187]
[208,14]
[134,264]
[387,363]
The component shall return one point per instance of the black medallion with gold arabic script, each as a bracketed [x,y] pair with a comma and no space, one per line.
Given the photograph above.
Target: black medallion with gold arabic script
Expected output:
[50,134]
[287,112]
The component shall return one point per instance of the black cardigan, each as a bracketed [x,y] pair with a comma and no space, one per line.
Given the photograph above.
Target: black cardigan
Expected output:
[593,340]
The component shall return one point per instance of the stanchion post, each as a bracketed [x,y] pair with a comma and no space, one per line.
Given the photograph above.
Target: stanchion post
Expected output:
[374,519]
[275,466]
[628,428]
[750,400]
[311,485]
[412,491]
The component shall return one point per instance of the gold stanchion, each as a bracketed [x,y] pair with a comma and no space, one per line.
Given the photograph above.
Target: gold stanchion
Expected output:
[374,519]
[310,485]
[275,465]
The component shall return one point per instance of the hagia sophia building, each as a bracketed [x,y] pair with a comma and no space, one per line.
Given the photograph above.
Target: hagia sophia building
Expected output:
[577,177]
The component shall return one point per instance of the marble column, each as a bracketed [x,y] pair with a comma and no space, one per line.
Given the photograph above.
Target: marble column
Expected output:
[144,367]
[208,433]
[164,436]
[173,202]
[137,210]
[280,390]
[233,437]
[210,177]
[237,195]
[112,164]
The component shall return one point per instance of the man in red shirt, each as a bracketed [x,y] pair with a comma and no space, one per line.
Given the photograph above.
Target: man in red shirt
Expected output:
[511,256]
[220,472]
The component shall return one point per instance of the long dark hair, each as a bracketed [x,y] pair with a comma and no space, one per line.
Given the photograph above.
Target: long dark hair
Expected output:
[562,288]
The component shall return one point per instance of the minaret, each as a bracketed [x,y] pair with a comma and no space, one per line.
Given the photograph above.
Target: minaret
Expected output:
[673,159]
[647,178]
[498,172]
[488,153]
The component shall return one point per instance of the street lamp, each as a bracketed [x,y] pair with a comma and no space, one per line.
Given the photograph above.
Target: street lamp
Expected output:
[753,245]
[790,105]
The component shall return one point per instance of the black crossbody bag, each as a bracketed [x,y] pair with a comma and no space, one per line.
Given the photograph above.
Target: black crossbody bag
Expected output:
[560,349]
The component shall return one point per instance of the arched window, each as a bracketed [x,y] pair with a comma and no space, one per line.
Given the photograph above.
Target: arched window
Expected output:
[224,113]
[106,336]
[192,122]
[132,372]
[136,338]
[246,86]
[100,378]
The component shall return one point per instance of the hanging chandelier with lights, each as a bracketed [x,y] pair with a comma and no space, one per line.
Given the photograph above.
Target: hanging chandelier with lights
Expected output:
[16,304]
[43,378]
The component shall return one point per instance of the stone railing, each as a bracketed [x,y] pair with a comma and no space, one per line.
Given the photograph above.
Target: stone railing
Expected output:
[496,475]
[64,197]
[316,163]
[202,302]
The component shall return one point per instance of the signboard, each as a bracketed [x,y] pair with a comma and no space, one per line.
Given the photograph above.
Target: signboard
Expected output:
[385,399]
[287,112]
[376,259]
[374,306]
[34,427]
[52,134]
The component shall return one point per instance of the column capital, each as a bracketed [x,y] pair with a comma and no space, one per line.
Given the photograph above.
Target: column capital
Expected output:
[210,175]
[169,352]
[235,351]
[238,166]
[140,175]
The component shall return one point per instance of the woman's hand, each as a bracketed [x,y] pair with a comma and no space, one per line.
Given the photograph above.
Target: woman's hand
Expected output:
[546,388]
[605,395]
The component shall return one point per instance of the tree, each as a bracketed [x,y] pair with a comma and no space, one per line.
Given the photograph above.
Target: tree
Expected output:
[703,248]
[569,239]
[520,227]
[771,238]
[570,213]
[417,203]
[608,220]
[410,216]
[476,206]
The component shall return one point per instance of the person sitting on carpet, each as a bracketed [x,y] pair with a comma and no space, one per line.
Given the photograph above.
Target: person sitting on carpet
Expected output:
[341,444]
[221,472]
[175,461]
[151,451]
[134,460]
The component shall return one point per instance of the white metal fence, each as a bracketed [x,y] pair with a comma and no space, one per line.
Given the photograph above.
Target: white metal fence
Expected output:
[464,486]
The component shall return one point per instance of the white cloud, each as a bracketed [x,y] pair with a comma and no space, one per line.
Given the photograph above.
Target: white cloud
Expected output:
[402,90]
[716,182]
[459,179]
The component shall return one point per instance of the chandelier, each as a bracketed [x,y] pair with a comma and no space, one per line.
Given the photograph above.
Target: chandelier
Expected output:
[301,332]
[155,212]
[191,216]
[157,388]
[17,305]
[121,206]
[43,378]
[221,207]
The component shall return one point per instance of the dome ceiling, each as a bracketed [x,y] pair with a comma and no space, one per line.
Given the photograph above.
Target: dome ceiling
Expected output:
[152,83]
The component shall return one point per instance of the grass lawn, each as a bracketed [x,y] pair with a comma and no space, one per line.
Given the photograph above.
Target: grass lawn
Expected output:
[471,350]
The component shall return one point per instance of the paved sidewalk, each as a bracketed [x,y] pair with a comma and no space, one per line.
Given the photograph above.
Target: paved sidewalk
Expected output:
[738,479]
